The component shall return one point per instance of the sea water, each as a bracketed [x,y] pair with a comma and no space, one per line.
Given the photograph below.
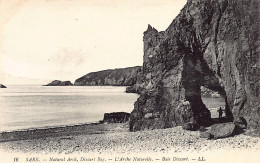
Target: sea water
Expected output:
[24,107]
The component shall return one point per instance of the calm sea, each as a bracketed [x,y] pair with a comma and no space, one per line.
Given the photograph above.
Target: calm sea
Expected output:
[24,107]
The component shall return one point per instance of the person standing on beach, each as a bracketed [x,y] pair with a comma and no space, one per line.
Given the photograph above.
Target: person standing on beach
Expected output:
[220,113]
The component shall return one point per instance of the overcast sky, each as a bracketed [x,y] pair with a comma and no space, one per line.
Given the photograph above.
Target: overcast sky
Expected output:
[44,40]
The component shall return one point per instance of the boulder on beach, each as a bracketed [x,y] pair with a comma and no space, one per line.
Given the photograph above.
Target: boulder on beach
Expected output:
[2,86]
[130,89]
[116,117]
[222,130]
[205,135]
[191,126]
[59,83]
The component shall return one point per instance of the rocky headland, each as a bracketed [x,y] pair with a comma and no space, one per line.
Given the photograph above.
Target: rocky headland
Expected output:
[59,83]
[2,86]
[112,77]
[214,44]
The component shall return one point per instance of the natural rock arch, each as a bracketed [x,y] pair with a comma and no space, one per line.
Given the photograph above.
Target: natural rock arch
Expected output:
[211,43]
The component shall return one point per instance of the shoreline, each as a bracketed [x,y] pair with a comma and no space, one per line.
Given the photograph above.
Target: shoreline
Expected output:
[48,127]
[62,130]
[55,131]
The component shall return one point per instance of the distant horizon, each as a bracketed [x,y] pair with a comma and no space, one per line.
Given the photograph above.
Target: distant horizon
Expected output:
[72,81]
[42,41]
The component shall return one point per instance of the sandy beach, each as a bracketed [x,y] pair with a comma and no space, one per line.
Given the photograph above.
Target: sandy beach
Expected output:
[116,139]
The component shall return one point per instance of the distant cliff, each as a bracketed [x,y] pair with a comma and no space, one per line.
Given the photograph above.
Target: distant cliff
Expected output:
[211,43]
[113,77]
[59,83]
[2,86]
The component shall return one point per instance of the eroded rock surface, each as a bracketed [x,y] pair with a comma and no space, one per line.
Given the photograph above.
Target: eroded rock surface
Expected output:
[211,43]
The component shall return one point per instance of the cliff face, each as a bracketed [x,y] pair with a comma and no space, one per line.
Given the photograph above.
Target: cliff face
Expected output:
[116,77]
[59,83]
[211,43]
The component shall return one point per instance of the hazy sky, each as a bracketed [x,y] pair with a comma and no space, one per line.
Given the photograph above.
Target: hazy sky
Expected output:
[44,40]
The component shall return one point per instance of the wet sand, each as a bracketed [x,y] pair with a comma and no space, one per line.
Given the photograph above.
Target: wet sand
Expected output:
[86,129]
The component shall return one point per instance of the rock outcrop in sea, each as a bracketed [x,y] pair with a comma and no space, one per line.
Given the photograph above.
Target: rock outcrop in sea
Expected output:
[113,77]
[211,43]
[59,83]
[116,117]
[2,86]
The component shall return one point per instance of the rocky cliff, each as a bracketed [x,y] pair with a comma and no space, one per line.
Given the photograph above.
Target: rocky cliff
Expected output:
[115,77]
[211,43]
[59,83]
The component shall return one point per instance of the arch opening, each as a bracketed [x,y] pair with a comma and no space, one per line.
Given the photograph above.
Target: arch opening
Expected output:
[216,104]
[204,91]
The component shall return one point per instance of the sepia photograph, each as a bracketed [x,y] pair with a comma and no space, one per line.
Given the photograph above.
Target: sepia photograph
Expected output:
[129,81]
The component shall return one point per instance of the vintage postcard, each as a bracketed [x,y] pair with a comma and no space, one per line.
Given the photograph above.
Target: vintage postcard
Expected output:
[129,81]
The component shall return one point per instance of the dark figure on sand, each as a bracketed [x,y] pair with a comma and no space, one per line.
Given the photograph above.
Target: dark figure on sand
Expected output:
[220,112]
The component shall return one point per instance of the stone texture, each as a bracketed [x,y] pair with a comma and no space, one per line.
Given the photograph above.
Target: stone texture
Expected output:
[191,126]
[202,129]
[2,86]
[130,89]
[59,83]
[115,77]
[211,43]
[116,117]
[222,130]
[206,135]
[240,122]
